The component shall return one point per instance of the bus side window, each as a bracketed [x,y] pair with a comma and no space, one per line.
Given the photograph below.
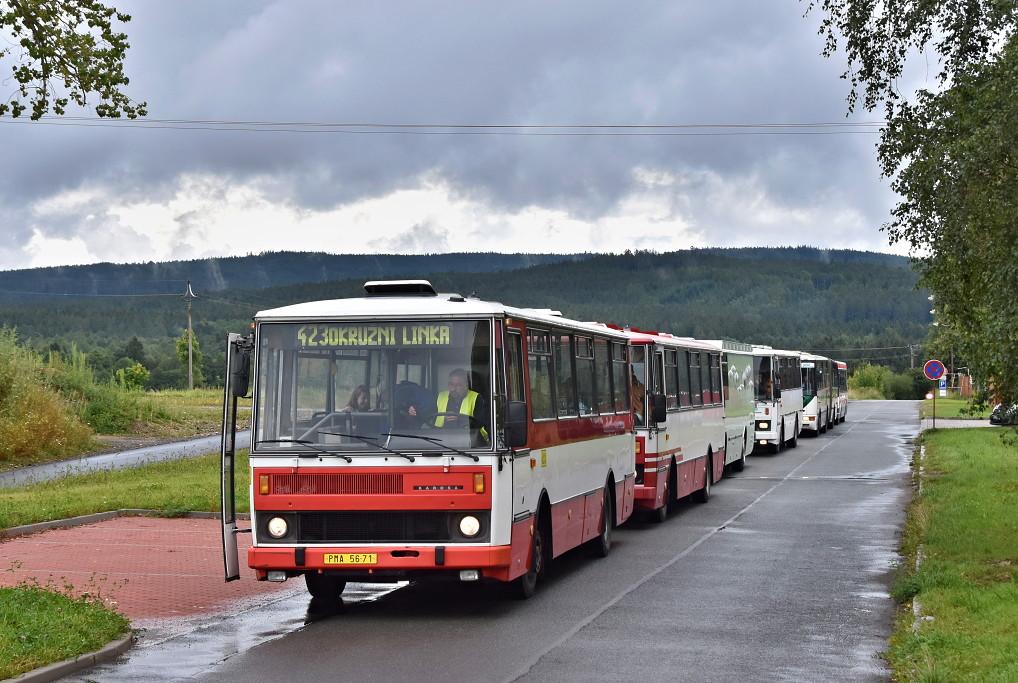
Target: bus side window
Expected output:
[705,377]
[514,367]
[694,378]
[683,370]
[539,360]
[620,378]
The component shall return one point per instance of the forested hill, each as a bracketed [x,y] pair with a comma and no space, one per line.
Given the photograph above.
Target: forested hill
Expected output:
[799,298]
[252,272]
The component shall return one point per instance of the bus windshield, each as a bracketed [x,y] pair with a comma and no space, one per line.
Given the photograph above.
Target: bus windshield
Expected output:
[370,386]
[764,380]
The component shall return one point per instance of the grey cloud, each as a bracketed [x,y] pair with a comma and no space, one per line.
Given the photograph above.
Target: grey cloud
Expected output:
[421,238]
[728,61]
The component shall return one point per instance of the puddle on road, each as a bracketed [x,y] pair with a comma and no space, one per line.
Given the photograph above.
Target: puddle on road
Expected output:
[181,649]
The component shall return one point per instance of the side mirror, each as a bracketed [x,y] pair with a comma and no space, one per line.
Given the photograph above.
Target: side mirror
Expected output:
[240,373]
[516,424]
[658,408]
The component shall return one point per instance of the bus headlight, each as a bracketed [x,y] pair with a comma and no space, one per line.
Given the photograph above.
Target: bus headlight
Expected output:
[277,527]
[470,526]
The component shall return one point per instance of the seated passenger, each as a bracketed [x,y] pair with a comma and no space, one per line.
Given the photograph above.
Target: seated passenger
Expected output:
[360,401]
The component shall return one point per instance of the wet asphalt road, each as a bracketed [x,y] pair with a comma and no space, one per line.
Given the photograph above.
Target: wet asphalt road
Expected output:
[134,457]
[782,576]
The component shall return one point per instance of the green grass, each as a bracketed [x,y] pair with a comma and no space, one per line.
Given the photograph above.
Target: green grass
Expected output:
[40,626]
[966,521]
[952,408]
[174,487]
[189,413]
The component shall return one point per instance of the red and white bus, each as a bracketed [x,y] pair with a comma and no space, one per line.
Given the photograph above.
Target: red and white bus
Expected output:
[679,413]
[840,391]
[408,434]
[778,397]
[818,404]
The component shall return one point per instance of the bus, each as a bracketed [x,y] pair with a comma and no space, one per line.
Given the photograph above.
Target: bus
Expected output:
[817,394]
[840,391]
[408,434]
[778,386]
[739,394]
[679,419]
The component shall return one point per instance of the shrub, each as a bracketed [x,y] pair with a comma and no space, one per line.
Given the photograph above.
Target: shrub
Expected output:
[34,419]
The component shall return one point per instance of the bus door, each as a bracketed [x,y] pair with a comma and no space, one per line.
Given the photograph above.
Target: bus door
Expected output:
[237,383]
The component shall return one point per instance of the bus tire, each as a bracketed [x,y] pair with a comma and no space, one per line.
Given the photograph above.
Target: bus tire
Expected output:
[740,464]
[325,587]
[661,514]
[780,445]
[525,586]
[794,441]
[703,495]
[602,545]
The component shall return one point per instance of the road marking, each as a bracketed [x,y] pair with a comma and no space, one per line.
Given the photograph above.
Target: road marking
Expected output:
[528,667]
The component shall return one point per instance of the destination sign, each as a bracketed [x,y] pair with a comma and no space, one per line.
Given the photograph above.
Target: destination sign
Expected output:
[335,336]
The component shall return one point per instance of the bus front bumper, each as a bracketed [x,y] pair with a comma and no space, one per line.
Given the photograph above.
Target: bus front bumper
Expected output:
[391,562]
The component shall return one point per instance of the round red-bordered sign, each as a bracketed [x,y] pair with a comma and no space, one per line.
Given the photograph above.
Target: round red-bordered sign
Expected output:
[934,369]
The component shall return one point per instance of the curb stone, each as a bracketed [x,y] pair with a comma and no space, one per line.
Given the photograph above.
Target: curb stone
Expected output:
[52,672]
[68,522]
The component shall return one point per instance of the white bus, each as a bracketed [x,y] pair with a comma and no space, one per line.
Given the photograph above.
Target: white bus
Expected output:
[739,389]
[778,397]
[679,411]
[409,434]
[817,394]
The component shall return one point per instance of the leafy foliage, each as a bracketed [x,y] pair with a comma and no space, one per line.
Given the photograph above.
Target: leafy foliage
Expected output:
[34,418]
[951,154]
[66,50]
[793,297]
[196,356]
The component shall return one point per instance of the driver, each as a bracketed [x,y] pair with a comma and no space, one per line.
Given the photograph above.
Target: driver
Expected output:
[458,404]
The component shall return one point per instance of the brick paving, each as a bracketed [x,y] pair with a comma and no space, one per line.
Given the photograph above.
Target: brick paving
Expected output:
[148,568]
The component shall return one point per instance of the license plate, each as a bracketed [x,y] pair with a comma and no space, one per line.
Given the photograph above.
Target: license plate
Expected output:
[351,558]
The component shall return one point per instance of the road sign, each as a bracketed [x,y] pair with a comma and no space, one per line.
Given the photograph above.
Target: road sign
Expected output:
[943,386]
[934,369]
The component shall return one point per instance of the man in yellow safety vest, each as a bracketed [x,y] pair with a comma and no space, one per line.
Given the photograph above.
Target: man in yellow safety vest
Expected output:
[458,400]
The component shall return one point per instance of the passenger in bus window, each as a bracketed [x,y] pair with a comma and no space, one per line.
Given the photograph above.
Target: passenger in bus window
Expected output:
[360,401]
[638,393]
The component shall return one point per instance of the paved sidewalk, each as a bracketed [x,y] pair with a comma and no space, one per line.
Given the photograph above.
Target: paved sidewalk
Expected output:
[149,568]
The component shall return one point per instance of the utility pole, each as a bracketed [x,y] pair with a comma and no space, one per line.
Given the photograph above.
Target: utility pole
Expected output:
[190,296]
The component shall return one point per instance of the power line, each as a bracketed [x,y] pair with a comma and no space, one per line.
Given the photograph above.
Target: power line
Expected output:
[12,291]
[861,348]
[535,130]
[362,124]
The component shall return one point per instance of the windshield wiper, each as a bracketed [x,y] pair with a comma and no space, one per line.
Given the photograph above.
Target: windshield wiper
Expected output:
[309,444]
[373,442]
[433,440]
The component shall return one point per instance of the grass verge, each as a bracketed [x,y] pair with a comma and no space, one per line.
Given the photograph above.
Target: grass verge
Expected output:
[174,487]
[953,409]
[964,519]
[40,626]
[189,413]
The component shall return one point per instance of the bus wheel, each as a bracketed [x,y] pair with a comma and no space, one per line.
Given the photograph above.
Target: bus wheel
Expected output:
[324,587]
[740,464]
[661,514]
[703,495]
[780,445]
[526,585]
[795,439]
[603,543]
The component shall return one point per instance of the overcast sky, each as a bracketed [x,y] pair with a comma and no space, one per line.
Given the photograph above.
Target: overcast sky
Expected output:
[80,195]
